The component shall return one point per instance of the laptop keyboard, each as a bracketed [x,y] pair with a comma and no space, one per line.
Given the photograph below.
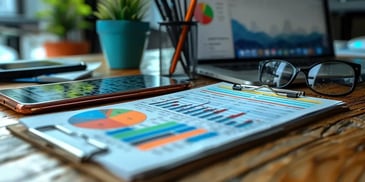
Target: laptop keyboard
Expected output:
[238,67]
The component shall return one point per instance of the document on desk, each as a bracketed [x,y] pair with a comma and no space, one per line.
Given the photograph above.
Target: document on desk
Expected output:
[134,139]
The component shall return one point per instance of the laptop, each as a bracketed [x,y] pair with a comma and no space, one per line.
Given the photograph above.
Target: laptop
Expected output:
[234,35]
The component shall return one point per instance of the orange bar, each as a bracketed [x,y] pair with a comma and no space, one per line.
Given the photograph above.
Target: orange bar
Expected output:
[163,141]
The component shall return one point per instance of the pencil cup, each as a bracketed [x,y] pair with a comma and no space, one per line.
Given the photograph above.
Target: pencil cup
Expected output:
[178,51]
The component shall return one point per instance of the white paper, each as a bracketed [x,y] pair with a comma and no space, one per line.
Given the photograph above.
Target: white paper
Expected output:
[166,131]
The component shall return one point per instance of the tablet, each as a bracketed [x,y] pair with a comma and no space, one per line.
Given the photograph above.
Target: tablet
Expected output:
[25,69]
[49,97]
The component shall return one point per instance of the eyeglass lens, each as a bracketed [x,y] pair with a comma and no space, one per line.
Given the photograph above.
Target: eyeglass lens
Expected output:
[329,78]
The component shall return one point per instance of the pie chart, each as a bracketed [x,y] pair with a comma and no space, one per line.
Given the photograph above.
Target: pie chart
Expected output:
[204,13]
[107,119]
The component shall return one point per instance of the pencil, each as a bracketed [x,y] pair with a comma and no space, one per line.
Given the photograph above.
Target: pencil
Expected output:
[184,32]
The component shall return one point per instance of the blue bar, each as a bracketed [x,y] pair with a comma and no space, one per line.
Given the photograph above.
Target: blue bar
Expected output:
[196,110]
[178,107]
[170,106]
[204,111]
[164,104]
[144,136]
[118,131]
[207,115]
[186,129]
[184,109]
[223,120]
[202,137]
[231,123]
[143,140]
[214,118]
[244,124]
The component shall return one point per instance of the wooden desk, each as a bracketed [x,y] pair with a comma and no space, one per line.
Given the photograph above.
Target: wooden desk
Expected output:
[329,149]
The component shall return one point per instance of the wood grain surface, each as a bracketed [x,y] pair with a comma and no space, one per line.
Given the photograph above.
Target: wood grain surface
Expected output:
[328,149]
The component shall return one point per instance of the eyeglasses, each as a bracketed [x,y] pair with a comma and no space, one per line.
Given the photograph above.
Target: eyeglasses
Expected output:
[331,78]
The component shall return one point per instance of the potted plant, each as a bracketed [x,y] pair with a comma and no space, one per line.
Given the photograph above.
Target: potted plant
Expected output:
[63,18]
[122,32]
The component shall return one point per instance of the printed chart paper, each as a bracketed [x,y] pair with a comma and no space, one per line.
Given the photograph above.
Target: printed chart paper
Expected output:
[166,131]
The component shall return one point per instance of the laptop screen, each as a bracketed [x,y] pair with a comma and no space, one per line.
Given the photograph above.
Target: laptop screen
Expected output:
[251,29]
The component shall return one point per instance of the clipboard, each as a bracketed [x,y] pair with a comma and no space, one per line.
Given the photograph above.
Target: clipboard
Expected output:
[89,167]
[97,171]
[86,153]
[94,169]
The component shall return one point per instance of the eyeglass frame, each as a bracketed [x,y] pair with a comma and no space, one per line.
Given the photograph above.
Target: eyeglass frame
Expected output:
[356,67]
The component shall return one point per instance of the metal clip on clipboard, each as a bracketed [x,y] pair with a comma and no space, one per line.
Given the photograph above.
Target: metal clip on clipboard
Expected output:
[280,92]
[74,145]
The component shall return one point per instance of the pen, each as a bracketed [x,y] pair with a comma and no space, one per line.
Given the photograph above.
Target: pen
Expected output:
[277,91]
[178,9]
[181,41]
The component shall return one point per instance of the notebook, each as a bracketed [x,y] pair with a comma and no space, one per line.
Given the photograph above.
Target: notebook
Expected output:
[234,35]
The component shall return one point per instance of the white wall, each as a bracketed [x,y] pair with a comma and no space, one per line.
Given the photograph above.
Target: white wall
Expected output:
[32,6]
[31,43]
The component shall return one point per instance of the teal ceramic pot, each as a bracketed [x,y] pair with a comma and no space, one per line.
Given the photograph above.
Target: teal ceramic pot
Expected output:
[122,42]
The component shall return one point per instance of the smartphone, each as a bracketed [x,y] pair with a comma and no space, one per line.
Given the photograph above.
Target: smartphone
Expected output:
[56,96]
[26,69]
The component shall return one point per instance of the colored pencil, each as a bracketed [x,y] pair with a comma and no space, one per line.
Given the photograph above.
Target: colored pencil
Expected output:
[182,37]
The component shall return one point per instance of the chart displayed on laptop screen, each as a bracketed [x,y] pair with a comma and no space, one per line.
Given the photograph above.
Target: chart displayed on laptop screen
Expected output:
[243,29]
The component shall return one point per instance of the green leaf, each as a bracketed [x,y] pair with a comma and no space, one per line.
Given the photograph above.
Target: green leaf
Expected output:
[64,16]
[121,9]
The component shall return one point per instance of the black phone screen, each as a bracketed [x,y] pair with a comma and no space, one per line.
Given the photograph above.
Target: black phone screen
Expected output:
[27,69]
[22,65]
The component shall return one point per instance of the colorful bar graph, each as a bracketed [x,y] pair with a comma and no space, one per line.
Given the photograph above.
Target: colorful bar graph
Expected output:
[143,130]
[159,135]
[170,139]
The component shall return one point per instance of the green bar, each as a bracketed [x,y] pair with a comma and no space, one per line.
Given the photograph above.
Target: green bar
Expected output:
[143,130]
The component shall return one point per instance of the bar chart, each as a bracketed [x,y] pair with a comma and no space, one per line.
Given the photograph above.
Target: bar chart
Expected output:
[186,119]
[159,135]
[205,111]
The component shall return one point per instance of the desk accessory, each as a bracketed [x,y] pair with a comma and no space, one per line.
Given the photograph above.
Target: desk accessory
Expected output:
[24,69]
[182,37]
[122,31]
[160,137]
[187,63]
[63,77]
[330,78]
[182,33]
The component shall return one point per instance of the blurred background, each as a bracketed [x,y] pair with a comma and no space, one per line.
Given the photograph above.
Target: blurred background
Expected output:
[21,35]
